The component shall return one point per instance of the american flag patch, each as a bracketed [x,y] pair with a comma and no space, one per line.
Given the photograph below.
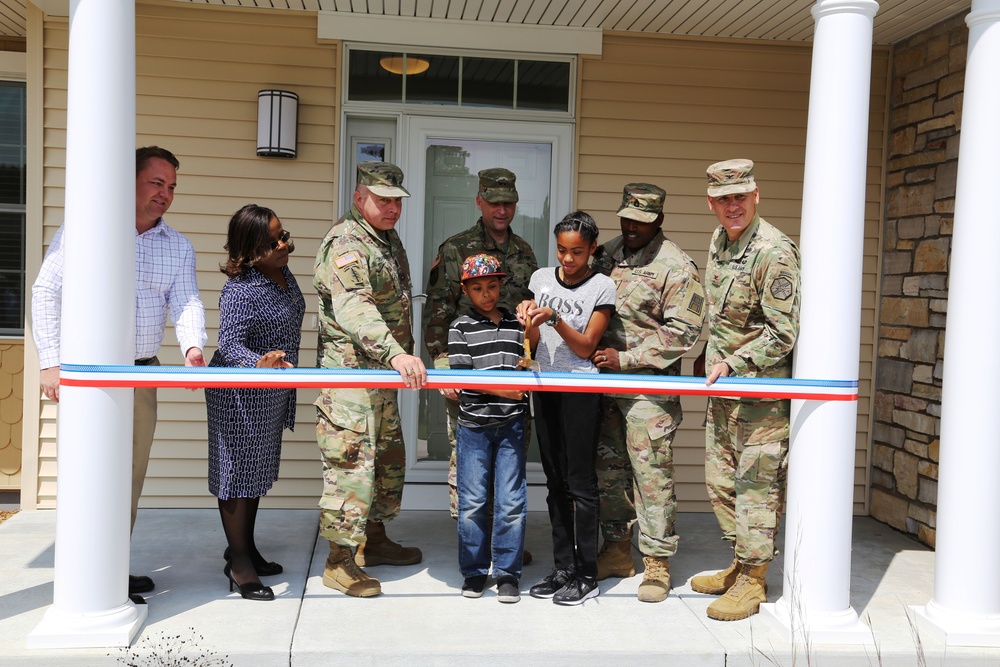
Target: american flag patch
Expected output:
[346,259]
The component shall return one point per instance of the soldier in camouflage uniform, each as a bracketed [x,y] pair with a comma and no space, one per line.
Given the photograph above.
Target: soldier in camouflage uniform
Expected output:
[658,318]
[753,320]
[363,281]
[497,201]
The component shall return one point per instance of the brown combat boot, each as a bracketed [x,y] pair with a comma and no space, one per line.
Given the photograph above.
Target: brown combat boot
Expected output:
[342,574]
[378,549]
[719,582]
[656,581]
[615,560]
[744,597]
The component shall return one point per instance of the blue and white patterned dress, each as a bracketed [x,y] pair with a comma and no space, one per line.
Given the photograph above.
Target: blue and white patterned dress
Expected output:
[256,315]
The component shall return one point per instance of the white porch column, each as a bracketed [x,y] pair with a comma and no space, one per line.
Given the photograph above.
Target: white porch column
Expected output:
[90,605]
[816,604]
[965,610]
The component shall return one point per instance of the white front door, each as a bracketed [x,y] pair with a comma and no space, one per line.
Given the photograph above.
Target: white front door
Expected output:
[441,158]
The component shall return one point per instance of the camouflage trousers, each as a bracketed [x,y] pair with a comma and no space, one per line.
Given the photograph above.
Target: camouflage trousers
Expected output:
[635,471]
[746,463]
[364,463]
[452,418]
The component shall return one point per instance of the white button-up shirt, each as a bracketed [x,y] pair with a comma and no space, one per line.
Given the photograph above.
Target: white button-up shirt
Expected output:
[164,276]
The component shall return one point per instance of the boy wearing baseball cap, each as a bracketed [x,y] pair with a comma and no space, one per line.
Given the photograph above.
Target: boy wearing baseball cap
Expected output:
[490,437]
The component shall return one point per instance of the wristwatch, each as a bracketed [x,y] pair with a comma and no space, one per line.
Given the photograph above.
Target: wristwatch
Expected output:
[555,319]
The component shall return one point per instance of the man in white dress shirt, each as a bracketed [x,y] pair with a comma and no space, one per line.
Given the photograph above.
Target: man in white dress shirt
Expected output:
[164,278]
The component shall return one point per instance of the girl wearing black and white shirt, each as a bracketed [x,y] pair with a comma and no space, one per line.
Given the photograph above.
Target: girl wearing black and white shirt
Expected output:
[571,308]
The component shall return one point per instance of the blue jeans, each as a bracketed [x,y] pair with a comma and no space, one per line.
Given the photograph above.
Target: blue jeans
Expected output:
[484,454]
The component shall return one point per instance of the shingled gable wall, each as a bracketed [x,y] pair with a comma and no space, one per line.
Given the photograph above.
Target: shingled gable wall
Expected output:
[924,124]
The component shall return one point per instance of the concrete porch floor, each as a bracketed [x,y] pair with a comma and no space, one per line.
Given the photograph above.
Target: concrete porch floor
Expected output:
[421,618]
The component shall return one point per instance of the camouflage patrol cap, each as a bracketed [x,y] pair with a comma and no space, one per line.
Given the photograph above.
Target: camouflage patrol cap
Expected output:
[730,177]
[642,202]
[382,178]
[480,266]
[497,185]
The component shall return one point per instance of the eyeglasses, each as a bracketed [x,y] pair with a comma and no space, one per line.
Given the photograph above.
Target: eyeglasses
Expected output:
[282,238]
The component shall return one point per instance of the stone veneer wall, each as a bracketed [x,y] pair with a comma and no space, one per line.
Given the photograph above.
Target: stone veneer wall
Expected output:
[924,124]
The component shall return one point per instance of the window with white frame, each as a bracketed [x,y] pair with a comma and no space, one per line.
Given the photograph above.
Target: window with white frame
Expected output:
[12,206]
[458,80]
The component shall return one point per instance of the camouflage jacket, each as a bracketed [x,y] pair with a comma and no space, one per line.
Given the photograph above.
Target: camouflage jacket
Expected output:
[363,281]
[445,300]
[660,304]
[753,288]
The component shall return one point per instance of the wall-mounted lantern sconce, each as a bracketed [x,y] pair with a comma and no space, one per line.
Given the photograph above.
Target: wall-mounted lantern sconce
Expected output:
[277,121]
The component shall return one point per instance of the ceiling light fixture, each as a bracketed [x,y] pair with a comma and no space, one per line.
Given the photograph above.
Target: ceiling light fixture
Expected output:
[404,65]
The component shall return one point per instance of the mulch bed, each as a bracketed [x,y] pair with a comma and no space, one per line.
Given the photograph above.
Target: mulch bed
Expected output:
[6,514]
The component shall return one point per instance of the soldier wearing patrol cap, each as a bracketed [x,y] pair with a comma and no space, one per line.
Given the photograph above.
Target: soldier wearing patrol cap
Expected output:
[363,281]
[752,285]
[497,200]
[657,319]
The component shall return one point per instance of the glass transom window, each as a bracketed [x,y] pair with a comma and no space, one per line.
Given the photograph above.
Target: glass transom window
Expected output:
[458,81]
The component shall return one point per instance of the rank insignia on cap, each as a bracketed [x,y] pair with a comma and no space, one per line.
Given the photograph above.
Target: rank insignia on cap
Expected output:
[642,202]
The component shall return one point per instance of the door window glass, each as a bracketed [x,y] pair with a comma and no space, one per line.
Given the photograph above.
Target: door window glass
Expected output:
[452,181]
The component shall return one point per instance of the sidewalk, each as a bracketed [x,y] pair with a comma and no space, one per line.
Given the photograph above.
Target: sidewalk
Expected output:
[421,618]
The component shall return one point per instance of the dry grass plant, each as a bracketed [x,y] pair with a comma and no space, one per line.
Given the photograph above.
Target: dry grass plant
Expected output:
[171,650]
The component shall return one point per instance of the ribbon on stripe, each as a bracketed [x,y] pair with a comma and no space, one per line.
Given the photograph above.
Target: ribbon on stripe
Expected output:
[77,375]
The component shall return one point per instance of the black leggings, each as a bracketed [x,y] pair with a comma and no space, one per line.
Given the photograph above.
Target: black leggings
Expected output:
[568,425]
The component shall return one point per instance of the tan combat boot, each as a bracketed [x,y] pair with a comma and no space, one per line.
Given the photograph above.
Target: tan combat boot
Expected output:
[615,560]
[719,582]
[378,549]
[744,597]
[342,574]
[656,581]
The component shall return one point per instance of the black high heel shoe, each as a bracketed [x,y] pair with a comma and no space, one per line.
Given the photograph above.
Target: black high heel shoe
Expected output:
[255,591]
[265,570]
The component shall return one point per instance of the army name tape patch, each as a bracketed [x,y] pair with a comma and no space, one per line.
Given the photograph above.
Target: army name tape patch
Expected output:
[194,377]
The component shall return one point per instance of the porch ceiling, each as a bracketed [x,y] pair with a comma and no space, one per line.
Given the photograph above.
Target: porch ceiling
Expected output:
[786,20]
[12,13]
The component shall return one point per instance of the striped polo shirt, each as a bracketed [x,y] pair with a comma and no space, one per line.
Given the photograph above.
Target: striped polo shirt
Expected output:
[475,343]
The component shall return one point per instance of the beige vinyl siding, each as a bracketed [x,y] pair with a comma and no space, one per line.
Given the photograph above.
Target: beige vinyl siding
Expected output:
[198,71]
[661,109]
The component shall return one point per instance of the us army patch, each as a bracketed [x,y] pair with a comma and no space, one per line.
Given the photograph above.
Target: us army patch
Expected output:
[780,294]
[694,304]
[645,273]
[437,260]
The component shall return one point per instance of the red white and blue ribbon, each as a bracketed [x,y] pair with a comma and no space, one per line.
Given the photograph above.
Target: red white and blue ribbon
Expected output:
[76,375]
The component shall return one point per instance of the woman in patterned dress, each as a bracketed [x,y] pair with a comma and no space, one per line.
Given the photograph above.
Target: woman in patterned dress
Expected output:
[260,322]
